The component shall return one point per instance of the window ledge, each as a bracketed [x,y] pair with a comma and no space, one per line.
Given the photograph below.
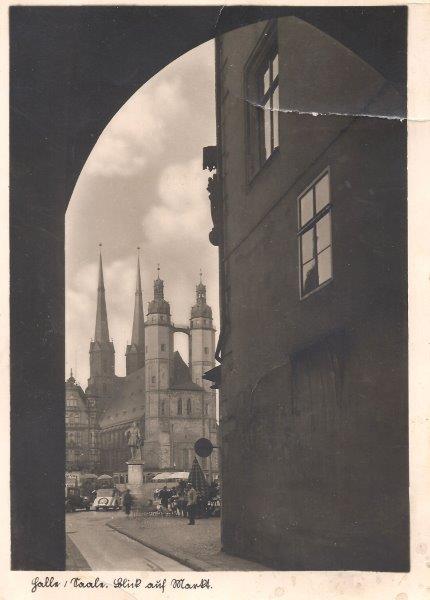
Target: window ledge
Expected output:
[317,289]
[263,167]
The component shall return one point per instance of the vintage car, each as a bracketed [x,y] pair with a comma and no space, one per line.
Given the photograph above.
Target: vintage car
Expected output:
[109,498]
[75,500]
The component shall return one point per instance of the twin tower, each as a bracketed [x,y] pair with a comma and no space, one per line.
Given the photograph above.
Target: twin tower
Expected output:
[151,348]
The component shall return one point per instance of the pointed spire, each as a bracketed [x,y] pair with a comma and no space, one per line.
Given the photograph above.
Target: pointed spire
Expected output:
[138,330]
[102,330]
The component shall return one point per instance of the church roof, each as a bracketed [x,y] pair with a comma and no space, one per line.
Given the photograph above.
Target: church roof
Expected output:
[129,394]
[128,400]
[181,375]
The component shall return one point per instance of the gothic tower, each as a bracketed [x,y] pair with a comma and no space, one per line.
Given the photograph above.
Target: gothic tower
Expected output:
[202,338]
[135,353]
[102,352]
[158,375]
[202,359]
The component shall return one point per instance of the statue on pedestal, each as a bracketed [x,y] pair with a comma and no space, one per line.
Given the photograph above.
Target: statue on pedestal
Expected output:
[135,441]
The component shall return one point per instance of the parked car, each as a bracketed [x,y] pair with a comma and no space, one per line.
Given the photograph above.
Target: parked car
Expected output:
[74,500]
[106,499]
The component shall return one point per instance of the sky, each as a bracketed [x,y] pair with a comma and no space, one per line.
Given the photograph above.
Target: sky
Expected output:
[143,185]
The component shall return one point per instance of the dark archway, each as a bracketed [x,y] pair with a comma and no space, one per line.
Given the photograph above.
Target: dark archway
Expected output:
[72,68]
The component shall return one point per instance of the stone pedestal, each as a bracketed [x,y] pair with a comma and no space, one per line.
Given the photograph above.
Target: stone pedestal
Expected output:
[136,482]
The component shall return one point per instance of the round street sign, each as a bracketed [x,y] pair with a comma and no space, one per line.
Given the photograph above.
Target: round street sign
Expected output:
[203,447]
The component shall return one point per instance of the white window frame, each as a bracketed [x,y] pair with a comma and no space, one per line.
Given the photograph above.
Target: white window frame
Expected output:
[310,224]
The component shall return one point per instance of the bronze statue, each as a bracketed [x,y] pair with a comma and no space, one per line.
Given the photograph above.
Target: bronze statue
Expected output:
[135,441]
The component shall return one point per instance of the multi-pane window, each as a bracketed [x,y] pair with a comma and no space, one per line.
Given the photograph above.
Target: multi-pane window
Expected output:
[269,103]
[314,236]
[262,89]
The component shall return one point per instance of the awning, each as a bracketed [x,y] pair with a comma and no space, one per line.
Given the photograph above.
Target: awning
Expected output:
[170,476]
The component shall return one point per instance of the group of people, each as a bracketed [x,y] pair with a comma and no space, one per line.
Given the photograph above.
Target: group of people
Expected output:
[181,500]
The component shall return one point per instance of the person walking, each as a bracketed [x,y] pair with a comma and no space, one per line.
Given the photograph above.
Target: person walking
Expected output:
[127,501]
[191,503]
[164,498]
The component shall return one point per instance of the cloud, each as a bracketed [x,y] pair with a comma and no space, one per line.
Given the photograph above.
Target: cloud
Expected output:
[143,185]
[138,132]
[183,214]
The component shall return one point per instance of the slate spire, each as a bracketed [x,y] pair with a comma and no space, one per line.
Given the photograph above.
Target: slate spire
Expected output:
[135,352]
[138,330]
[102,329]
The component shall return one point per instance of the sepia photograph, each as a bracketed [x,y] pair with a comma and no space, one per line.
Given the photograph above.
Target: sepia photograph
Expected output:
[209,289]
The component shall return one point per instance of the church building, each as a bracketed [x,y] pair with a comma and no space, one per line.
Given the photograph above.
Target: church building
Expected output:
[169,400]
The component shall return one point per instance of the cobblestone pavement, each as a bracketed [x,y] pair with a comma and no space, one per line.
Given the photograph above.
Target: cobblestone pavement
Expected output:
[198,546]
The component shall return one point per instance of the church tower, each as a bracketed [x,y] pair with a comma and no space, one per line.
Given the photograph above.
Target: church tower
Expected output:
[159,340]
[102,352]
[158,375]
[202,338]
[135,353]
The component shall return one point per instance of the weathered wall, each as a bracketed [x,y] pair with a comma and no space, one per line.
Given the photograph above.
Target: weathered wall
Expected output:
[321,486]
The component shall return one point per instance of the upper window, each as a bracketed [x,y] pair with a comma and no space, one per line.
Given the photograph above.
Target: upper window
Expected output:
[188,406]
[163,347]
[314,208]
[262,85]
[180,406]
[206,350]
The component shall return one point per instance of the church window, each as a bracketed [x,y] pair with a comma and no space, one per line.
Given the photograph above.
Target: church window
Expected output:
[314,236]
[206,409]
[189,406]
[206,350]
[185,463]
[180,406]
[153,379]
[163,347]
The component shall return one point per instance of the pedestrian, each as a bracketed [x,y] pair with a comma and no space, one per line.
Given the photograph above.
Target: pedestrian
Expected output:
[164,496]
[127,501]
[191,503]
